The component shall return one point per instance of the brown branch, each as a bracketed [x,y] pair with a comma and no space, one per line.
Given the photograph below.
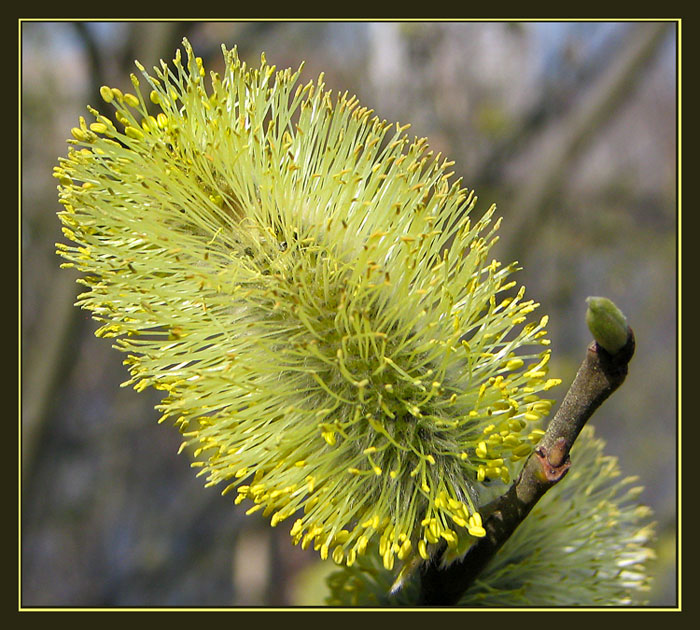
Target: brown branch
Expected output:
[599,376]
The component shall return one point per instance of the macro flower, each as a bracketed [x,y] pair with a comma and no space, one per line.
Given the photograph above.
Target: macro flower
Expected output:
[307,287]
[586,543]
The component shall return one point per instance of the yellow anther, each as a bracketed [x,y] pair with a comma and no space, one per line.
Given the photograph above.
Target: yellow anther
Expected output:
[79,134]
[388,560]
[477,532]
[404,550]
[106,94]
[434,529]
[423,549]
[296,528]
[338,555]
[542,406]
[362,543]
[536,374]
[522,450]
[459,520]
[516,425]
[131,100]
[372,522]
[449,536]
[134,133]
[149,123]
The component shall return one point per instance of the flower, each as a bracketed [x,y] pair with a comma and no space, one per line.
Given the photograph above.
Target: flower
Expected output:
[586,543]
[304,283]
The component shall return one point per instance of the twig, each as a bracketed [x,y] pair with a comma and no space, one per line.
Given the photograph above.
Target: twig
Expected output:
[599,376]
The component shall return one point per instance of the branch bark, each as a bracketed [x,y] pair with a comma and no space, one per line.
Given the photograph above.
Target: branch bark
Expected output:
[599,376]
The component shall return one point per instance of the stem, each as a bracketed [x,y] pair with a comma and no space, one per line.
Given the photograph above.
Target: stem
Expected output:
[599,376]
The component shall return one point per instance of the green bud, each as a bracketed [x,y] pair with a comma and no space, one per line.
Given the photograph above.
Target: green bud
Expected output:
[607,324]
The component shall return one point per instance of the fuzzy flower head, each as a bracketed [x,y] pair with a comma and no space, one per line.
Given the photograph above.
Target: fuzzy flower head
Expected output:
[305,284]
[586,543]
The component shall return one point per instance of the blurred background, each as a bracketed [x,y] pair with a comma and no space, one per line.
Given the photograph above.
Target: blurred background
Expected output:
[569,127]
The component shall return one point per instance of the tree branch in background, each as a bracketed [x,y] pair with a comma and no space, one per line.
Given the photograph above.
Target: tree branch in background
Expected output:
[600,374]
[47,358]
[579,127]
